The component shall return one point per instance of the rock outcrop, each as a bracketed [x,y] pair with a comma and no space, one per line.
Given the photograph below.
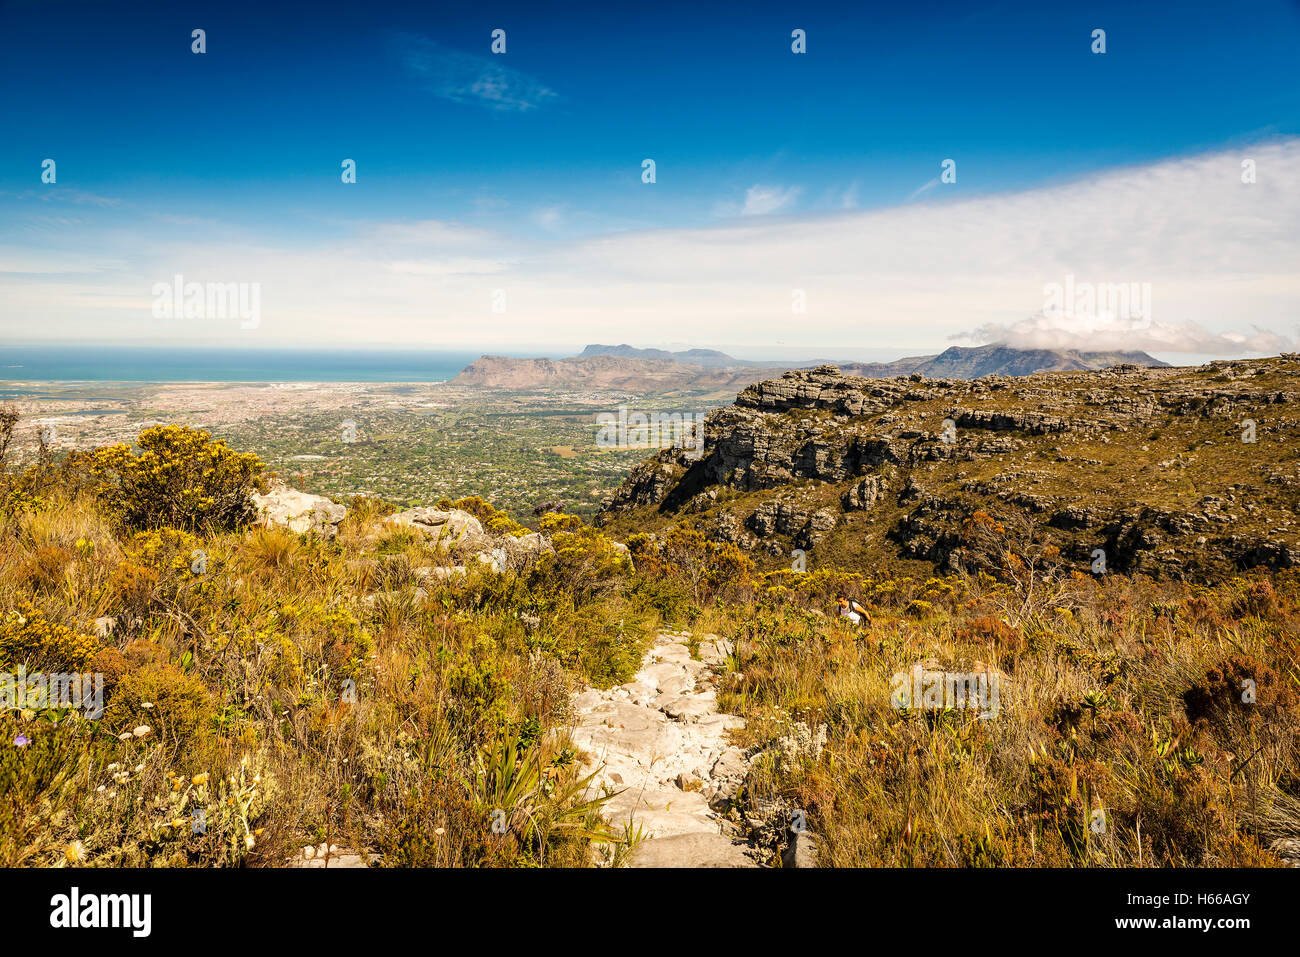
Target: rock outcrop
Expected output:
[1179,473]
[805,526]
[455,530]
[331,856]
[865,494]
[463,535]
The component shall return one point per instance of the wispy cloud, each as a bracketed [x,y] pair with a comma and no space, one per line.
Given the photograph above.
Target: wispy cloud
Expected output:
[17,261]
[64,194]
[430,234]
[549,217]
[761,200]
[923,188]
[465,78]
[462,266]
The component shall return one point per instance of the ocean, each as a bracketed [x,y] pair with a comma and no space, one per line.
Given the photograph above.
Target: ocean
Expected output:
[76,363]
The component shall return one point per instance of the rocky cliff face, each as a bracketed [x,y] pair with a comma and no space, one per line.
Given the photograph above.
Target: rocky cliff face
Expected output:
[1172,472]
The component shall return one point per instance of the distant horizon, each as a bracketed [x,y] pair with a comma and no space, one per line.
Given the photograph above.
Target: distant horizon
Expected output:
[268,363]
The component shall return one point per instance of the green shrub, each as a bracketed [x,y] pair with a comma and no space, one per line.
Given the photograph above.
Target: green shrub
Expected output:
[708,568]
[605,652]
[668,598]
[174,705]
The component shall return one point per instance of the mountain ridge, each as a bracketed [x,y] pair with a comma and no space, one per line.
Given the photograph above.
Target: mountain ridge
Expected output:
[629,367]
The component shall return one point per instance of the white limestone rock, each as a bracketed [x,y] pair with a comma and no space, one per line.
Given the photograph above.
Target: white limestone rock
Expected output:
[449,527]
[299,511]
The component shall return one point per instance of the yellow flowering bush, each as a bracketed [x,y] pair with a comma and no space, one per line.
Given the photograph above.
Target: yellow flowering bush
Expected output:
[163,548]
[24,491]
[179,478]
[346,644]
[28,638]
[814,589]
[585,563]
[156,563]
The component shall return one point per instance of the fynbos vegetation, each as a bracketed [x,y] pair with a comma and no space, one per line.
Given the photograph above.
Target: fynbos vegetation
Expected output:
[284,678]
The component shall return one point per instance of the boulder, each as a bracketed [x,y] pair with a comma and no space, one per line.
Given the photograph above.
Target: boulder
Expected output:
[714,650]
[1287,850]
[523,550]
[299,511]
[801,851]
[450,526]
[455,571]
[624,551]
[495,558]
[690,850]
[330,856]
[728,774]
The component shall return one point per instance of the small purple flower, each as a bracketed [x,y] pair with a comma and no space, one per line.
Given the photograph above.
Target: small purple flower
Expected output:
[22,741]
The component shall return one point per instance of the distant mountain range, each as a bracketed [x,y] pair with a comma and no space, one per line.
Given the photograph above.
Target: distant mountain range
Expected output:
[697,357]
[627,367]
[996,359]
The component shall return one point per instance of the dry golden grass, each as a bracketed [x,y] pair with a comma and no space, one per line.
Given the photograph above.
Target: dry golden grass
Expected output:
[1092,719]
[300,689]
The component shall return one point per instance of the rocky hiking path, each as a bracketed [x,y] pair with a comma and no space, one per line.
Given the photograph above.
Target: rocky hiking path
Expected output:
[661,743]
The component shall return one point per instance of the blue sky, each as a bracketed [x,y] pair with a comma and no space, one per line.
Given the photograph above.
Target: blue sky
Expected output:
[523,171]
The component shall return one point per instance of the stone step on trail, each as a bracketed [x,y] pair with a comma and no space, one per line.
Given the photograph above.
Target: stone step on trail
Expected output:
[660,741]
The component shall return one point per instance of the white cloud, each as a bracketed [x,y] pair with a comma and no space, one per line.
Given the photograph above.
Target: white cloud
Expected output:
[463,266]
[14,259]
[435,233]
[1110,333]
[1220,257]
[63,194]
